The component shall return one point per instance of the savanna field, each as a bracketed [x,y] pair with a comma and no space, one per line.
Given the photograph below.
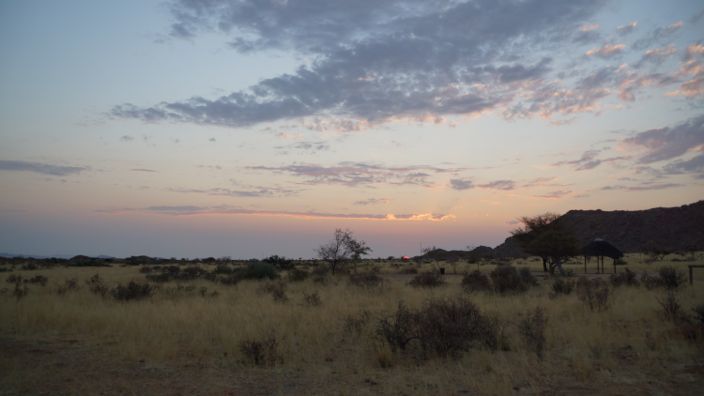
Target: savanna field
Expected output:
[380,327]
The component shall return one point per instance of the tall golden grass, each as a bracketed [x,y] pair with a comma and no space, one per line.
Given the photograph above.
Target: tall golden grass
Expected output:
[626,342]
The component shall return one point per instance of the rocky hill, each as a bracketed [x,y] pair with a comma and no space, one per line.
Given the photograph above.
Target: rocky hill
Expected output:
[664,229]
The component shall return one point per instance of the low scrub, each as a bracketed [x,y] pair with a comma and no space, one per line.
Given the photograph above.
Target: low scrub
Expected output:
[132,291]
[476,281]
[442,328]
[561,286]
[532,330]
[506,279]
[625,278]
[667,277]
[261,352]
[366,280]
[97,286]
[427,279]
[594,293]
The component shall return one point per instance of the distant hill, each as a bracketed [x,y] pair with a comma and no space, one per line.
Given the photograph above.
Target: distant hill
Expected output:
[665,229]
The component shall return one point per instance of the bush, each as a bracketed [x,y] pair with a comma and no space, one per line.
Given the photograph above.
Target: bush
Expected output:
[260,270]
[506,279]
[670,278]
[69,285]
[594,293]
[97,286]
[279,262]
[532,329]
[427,279]
[133,291]
[276,289]
[297,275]
[527,277]
[262,353]
[562,286]
[626,278]
[312,299]
[356,323]
[442,328]
[699,314]
[476,281]
[366,279]
[671,307]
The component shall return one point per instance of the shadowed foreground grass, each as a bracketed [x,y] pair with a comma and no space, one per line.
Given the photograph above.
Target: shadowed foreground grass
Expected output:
[188,337]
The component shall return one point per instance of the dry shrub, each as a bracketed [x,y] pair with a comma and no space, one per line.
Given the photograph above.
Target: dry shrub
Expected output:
[312,299]
[37,279]
[133,291]
[532,329]
[262,353]
[97,286]
[671,308]
[297,275]
[561,286]
[443,328]
[476,281]
[69,285]
[366,280]
[506,279]
[356,323]
[625,278]
[427,279]
[594,293]
[527,277]
[670,278]
[276,289]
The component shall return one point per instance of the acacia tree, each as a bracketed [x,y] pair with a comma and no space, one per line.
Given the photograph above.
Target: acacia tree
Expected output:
[341,248]
[543,237]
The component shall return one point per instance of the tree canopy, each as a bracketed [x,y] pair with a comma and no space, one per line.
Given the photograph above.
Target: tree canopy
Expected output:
[544,237]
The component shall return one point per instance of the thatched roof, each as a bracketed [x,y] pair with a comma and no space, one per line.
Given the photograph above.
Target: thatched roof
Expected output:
[600,247]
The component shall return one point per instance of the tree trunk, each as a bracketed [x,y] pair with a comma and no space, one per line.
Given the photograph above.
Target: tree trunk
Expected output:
[545,264]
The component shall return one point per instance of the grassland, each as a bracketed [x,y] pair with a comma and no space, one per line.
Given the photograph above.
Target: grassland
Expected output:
[321,336]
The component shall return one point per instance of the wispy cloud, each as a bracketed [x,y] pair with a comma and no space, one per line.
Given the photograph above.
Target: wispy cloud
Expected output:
[360,173]
[668,142]
[607,50]
[461,184]
[627,28]
[589,160]
[645,186]
[192,210]
[555,194]
[372,201]
[41,168]
[500,185]
[143,170]
[251,192]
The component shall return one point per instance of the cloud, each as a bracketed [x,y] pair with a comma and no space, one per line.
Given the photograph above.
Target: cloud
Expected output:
[360,173]
[647,186]
[627,28]
[373,201]
[143,170]
[606,51]
[589,160]
[658,35]
[252,192]
[126,138]
[555,194]
[43,169]
[461,184]
[668,142]
[587,33]
[500,185]
[306,146]
[659,55]
[694,166]
[542,182]
[374,61]
[191,210]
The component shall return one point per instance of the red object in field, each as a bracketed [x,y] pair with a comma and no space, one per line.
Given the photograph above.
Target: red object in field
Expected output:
[405,258]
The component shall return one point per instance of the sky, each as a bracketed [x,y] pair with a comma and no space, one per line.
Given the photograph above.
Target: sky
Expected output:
[195,128]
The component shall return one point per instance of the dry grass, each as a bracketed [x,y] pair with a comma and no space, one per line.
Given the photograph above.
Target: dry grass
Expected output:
[628,344]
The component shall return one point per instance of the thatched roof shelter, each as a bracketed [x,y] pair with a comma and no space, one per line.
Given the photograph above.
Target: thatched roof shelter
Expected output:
[601,248]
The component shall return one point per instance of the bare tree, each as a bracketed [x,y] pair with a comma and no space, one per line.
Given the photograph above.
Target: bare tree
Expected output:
[341,248]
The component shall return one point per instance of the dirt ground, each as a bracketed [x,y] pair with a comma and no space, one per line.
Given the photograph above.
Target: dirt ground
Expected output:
[71,367]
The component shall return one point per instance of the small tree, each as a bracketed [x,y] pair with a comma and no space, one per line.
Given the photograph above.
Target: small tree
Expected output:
[341,248]
[543,237]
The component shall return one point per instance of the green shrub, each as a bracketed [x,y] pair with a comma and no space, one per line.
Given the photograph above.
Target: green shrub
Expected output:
[260,270]
[366,279]
[625,278]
